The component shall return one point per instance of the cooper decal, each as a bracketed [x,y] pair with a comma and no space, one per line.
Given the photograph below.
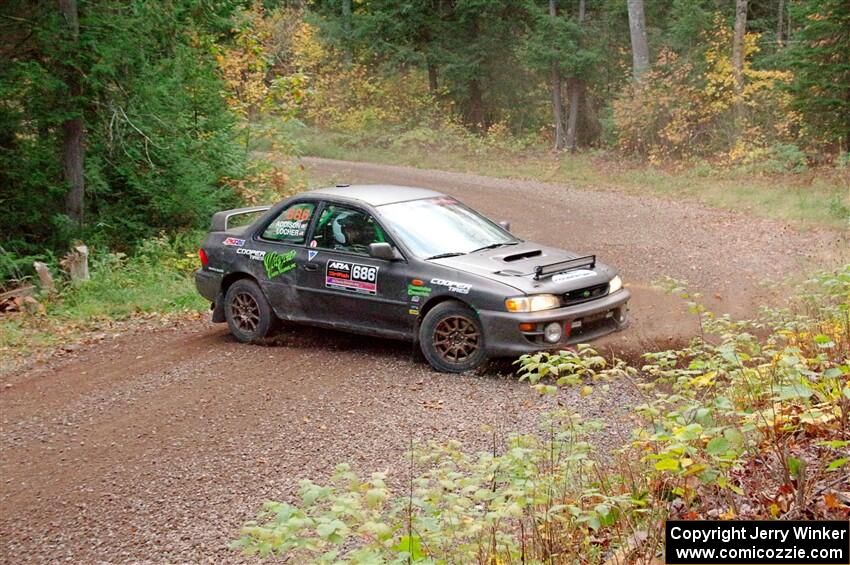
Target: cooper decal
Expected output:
[278,263]
[351,277]
[460,288]
[572,275]
[233,242]
[254,254]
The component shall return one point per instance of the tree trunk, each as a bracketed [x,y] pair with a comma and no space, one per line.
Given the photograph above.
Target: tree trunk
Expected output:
[432,78]
[475,113]
[779,23]
[637,30]
[346,28]
[73,129]
[575,86]
[557,99]
[738,53]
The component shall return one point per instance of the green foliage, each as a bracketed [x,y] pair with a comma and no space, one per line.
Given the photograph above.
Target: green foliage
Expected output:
[487,63]
[158,131]
[460,508]
[156,281]
[749,412]
[820,58]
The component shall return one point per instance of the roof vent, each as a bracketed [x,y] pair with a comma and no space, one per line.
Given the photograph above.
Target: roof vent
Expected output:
[342,185]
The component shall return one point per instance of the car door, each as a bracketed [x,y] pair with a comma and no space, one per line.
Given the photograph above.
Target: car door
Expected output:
[342,286]
[280,248]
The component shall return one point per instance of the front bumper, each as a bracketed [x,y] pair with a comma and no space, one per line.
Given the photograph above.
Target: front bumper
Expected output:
[588,321]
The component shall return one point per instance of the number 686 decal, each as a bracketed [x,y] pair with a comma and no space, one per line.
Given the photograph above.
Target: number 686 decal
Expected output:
[351,277]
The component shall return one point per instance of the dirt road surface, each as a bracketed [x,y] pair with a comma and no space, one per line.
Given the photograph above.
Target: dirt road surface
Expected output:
[155,446]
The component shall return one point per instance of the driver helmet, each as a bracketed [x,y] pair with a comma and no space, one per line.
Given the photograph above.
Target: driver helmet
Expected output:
[352,228]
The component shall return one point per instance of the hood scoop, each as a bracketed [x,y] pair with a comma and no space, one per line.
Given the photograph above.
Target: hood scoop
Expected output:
[524,255]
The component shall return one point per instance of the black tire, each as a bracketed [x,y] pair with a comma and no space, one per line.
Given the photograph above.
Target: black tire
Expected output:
[249,315]
[451,338]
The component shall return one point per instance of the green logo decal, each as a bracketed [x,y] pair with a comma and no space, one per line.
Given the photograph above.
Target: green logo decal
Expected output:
[418,290]
[278,263]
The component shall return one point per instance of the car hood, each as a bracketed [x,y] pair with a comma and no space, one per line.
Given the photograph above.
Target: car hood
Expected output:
[515,265]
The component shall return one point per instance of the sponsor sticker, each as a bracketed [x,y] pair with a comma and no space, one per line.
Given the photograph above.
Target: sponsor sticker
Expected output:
[254,254]
[572,275]
[351,277]
[290,228]
[278,263]
[413,290]
[460,288]
[215,269]
[311,255]
[233,242]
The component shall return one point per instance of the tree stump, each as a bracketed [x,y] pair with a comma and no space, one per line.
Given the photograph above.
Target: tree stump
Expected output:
[44,276]
[76,263]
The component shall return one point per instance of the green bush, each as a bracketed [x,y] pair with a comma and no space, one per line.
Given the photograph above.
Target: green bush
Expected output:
[159,136]
[770,394]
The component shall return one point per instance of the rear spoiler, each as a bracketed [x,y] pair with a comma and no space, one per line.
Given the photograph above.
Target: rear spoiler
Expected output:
[221,219]
[541,271]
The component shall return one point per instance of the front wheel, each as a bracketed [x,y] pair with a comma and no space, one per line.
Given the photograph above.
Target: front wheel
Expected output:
[249,315]
[451,338]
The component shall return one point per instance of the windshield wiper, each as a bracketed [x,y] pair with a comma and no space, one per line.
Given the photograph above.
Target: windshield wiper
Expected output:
[444,255]
[494,246]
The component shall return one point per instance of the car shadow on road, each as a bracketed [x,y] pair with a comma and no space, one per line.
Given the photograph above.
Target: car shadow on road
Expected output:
[310,338]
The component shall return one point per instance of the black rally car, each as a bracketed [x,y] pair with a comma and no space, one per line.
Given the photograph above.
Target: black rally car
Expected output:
[404,263]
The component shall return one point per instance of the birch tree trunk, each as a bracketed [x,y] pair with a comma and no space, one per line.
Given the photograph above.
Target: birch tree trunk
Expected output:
[557,99]
[575,85]
[738,53]
[637,30]
[73,129]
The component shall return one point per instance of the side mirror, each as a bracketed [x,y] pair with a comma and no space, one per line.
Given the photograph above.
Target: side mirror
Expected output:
[505,225]
[383,251]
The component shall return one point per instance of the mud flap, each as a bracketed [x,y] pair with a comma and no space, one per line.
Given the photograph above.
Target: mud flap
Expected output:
[416,354]
[217,308]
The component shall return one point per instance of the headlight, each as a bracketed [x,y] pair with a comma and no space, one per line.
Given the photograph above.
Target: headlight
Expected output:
[615,284]
[532,303]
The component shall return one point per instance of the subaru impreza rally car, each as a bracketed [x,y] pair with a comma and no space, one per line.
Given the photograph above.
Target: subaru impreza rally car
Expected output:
[405,263]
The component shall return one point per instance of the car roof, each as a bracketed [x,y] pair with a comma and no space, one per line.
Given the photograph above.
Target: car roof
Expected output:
[375,194]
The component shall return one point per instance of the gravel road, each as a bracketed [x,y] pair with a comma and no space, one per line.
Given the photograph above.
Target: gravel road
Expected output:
[155,445]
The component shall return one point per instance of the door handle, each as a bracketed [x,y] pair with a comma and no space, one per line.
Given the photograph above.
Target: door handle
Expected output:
[311,267]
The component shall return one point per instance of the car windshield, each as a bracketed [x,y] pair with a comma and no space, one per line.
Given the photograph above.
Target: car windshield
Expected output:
[442,226]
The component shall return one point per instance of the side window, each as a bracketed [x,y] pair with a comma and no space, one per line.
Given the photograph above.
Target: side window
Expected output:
[291,225]
[346,229]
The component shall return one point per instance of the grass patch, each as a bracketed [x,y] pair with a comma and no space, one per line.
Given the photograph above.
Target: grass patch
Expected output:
[156,281]
[814,197]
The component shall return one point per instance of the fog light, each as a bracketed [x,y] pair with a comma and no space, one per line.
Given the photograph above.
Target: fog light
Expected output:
[552,332]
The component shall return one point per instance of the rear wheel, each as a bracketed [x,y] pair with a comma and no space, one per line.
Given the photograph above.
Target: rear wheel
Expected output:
[249,315]
[452,339]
